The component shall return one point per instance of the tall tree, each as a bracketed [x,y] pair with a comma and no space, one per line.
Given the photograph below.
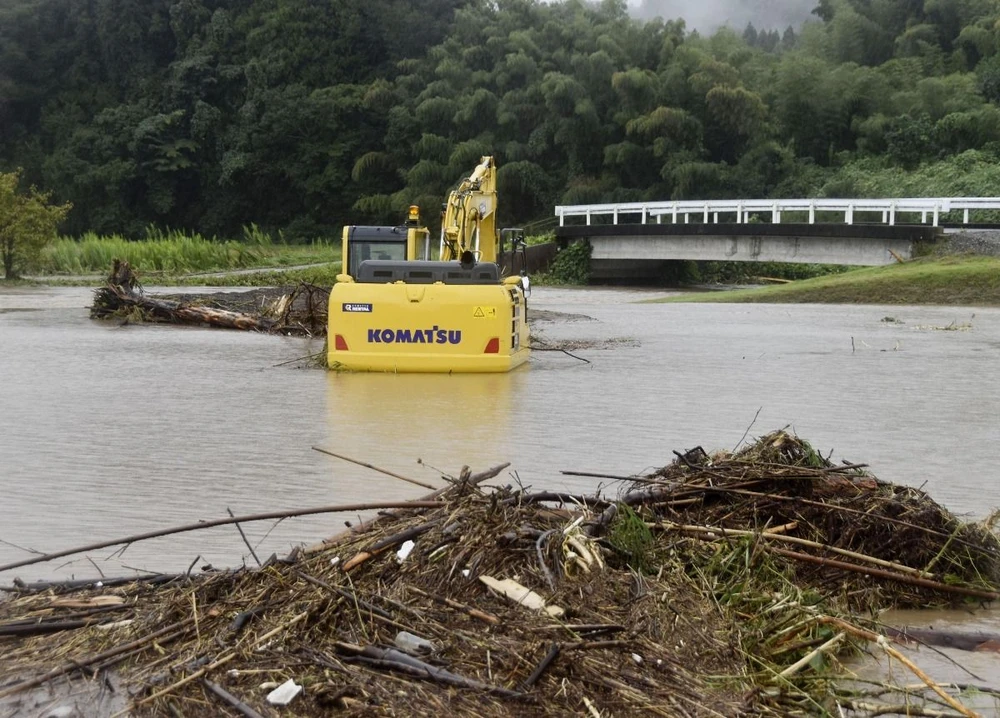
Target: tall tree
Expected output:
[28,221]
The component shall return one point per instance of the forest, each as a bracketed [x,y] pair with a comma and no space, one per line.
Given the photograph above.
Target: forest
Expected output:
[298,117]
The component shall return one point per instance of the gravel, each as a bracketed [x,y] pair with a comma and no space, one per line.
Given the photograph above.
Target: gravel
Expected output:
[975,241]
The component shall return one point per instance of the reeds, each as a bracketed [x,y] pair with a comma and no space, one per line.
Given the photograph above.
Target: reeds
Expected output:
[175,252]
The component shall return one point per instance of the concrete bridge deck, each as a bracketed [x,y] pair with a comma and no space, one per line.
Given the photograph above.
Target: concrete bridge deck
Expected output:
[636,250]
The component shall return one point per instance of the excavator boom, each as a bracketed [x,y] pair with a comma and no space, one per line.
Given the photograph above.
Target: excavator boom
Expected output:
[469,222]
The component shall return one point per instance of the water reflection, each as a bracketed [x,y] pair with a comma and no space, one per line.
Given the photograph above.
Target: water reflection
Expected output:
[392,420]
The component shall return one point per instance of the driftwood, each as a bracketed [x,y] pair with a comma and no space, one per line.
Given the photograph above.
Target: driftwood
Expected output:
[155,579]
[890,575]
[223,522]
[301,310]
[122,292]
[978,641]
[392,659]
[824,506]
[389,542]
[346,594]
[541,667]
[230,699]
[43,627]
[451,603]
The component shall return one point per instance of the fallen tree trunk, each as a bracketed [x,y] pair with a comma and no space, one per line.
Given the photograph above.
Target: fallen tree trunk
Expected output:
[122,292]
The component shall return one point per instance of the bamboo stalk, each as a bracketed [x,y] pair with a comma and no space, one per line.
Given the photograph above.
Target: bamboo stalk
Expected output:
[806,659]
[773,535]
[879,573]
[451,603]
[342,508]
[884,644]
[361,528]
[828,506]
[374,468]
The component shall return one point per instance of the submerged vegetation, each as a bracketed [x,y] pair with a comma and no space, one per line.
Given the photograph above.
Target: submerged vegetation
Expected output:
[722,584]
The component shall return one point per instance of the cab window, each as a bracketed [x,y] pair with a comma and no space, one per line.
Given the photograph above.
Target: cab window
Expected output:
[361,250]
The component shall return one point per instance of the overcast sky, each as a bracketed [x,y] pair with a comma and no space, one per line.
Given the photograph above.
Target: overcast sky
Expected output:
[708,15]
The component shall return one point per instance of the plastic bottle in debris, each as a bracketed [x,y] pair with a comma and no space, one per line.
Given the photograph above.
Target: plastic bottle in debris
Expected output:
[408,642]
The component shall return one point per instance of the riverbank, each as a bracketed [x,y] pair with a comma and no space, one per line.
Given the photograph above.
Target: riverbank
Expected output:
[955,280]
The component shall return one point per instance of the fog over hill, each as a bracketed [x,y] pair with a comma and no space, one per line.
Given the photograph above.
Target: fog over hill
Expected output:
[709,15]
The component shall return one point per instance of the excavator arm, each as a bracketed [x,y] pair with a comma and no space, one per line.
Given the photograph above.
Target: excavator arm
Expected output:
[469,221]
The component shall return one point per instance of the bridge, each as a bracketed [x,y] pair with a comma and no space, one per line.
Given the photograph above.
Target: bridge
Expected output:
[635,238]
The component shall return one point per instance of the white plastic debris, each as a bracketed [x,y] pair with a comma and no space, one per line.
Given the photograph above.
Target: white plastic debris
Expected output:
[411,643]
[637,658]
[335,560]
[115,624]
[522,595]
[283,694]
[466,572]
[404,551]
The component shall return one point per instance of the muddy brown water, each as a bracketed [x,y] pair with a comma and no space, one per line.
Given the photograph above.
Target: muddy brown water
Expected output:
[107,430]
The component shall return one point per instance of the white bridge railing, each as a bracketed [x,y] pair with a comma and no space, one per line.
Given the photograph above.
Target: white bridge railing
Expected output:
[709,210]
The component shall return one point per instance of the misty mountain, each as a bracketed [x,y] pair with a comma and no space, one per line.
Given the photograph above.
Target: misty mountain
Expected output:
[707,16]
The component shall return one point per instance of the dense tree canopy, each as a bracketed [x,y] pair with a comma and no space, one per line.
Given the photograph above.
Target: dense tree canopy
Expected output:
[214,114]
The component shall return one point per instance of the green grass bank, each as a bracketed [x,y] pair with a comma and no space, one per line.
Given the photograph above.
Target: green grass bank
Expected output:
[952,280]
[175,254]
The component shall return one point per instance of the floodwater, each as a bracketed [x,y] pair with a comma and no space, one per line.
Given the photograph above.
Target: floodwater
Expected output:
[108,430]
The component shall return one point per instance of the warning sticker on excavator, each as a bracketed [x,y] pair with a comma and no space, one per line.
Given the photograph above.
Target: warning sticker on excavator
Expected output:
[485,312]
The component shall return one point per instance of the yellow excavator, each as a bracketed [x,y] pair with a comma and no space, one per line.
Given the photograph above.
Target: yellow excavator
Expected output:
[395,309]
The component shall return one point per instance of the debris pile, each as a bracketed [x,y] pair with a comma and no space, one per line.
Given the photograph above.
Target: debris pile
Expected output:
[836,528]
[726,584]
[299,311]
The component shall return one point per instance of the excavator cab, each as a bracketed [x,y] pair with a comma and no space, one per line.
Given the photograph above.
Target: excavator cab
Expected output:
[406,242]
